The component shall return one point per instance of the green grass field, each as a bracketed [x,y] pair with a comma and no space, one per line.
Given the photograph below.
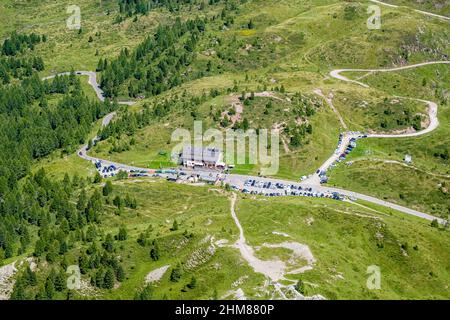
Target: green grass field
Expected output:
[345,239]
[293,44]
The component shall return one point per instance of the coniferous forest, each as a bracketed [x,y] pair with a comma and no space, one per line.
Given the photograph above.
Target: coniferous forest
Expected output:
[38,215]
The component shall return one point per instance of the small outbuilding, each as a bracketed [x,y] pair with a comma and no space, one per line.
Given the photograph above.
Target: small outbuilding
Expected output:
[408,159]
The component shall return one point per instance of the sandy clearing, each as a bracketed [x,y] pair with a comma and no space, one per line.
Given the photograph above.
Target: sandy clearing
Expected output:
[238,294]
[299,250]
[273,269]
[6,280]
[156,274]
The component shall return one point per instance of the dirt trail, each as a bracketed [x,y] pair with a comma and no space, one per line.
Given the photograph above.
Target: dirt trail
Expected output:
[329,101]
[273,269]
[237,104]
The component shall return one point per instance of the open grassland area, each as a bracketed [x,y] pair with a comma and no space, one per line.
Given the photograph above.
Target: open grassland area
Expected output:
[426,82]
[336,234]
[397,183]
[436,6]
[344,240]
[101,35]
[429,152]
[423,185]
[376,167]
[203,218]
[375,111]
[231,65]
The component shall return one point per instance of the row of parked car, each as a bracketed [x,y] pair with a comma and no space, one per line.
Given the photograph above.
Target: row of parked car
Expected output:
[270,185]
[106,171]
[277,189]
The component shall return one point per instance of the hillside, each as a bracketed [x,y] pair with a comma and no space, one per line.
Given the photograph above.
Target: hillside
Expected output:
[116,90]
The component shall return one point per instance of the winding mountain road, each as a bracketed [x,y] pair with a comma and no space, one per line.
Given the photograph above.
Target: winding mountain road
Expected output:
[337,73]
[313,181]
[92,81]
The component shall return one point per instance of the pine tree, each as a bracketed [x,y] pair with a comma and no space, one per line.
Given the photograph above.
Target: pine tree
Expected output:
[60,282]
[145,294]
[142,240]
[193,283]
[117,201]
[120,274]
[174,225]
[18,291]
[110,277]
[109,243]
[300,286]
[49,288]
[100,65]
[30,277]
[122,234]
[435,223]
[175,275]
[99,278]
[107,188]
[97,177]
[154,252]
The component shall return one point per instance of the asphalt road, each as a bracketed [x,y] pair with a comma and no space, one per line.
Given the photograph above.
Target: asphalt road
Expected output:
[314,179]
[238,180]
[92,81]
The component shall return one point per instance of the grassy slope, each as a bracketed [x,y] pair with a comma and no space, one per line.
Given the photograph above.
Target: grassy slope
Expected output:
[300,65]
[419,189]
[395,183]
[347,244]
[435,6]
[342,242]
[286,20]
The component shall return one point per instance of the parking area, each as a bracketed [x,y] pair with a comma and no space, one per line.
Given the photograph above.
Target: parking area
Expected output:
[249,185]
[278,189]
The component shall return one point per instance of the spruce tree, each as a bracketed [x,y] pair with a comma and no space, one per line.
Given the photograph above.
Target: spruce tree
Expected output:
[109,280]
[30,277]
[107,188]
[97,177]
[123,235]
[193,283]
[109,243]
[145,294]
[49,288]
[175,274]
